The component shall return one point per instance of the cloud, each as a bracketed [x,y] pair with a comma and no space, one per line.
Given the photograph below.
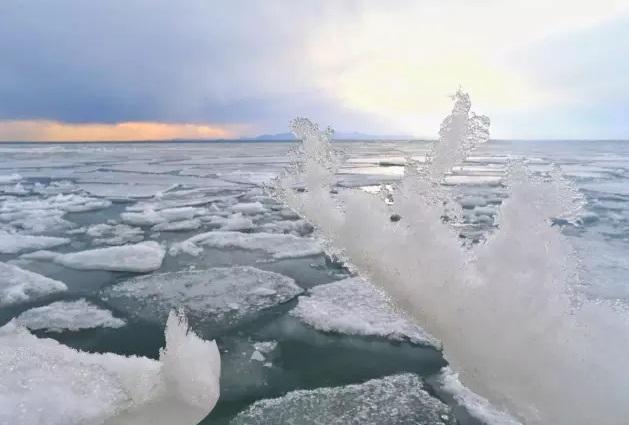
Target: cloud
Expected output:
[252,65]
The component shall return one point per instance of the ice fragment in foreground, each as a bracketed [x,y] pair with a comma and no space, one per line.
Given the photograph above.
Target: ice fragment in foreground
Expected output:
[393,400]
[43,381]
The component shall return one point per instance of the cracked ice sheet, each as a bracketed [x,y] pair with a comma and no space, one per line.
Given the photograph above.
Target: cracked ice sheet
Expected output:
[223,296]
[354,306]
[123,191]
[392,400]
[114,177]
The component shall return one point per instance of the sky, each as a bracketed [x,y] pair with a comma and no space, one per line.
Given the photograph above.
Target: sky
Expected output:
[80,70]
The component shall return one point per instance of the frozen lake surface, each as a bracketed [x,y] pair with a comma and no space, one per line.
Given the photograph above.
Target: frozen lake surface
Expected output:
[98,242]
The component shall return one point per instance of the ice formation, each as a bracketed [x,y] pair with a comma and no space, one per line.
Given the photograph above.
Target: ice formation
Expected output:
[393,400]
[237,222]
[68,315]
[177,226]
[151,217]
[223,296]
[15,243]
[354,306]
[249,208]
[140,258]
[506,311]
[43,381]
[277,245]
[118,234]
[18,285]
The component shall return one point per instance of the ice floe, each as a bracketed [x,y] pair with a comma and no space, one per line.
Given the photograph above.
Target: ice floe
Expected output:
[36,221]
[114,234]
[277,245]
[18,285]
[354,306]
[237,222]
[222,296]
[392,400]
[249,208]
[15,243]
[177,226]
[140,258]
[43,381]
[265,346]
[68,315]
[151,217]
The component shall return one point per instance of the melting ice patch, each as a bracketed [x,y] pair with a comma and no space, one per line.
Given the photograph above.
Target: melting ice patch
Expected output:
[106,388]
[68,315]
[393,400]
[19,285]
[277,245]
[222,295]
[140,258]
[354,306]
[14,243]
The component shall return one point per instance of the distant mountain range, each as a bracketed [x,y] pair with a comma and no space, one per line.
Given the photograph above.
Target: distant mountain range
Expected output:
[339,136]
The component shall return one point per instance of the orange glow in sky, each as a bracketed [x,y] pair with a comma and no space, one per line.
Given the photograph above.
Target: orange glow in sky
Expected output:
[53,131]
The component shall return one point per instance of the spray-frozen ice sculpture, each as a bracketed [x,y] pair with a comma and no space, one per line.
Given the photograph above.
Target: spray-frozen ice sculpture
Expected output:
[505,310]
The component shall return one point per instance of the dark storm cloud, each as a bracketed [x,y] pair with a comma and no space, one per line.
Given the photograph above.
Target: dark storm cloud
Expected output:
[136,60]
